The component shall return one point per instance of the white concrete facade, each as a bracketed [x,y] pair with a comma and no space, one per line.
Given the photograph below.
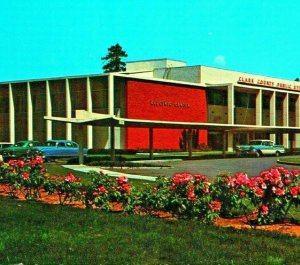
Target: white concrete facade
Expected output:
[176,72]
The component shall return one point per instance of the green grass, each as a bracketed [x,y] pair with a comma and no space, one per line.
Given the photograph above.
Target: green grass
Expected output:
[58,170]
[294,160]
[35,233]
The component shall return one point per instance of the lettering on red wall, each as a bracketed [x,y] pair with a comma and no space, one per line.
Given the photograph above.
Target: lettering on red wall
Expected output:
[165,102]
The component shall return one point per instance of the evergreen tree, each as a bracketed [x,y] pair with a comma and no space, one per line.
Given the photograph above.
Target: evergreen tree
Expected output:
[114,59]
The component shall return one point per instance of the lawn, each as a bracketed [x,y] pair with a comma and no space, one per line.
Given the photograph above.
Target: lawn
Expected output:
[35,233]
[293,160]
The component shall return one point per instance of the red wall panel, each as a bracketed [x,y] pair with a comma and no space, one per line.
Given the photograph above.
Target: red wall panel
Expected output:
[166,102]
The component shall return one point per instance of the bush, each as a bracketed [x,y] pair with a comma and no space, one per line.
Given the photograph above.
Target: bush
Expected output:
[66,188]
[270,195]
[105,190]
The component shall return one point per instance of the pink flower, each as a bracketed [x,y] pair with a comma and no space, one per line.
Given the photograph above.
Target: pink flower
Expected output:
[263,186]
[264,209]
[295,172]
[243,194]
[241,178]
[70,178]
[122,179]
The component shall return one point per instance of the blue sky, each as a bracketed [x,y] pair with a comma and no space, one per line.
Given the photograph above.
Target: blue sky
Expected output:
[52,38]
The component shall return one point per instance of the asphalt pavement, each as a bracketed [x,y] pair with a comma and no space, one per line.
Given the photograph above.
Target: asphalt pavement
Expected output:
[211,167]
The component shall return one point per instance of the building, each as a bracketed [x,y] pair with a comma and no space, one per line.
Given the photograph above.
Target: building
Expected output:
[162,101]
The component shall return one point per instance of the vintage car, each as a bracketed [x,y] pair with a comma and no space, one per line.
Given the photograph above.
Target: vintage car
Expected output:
[56,149]
[259,148]
[4,145]
[18,150]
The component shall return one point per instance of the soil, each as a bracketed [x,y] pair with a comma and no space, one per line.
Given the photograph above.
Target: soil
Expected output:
[237,223]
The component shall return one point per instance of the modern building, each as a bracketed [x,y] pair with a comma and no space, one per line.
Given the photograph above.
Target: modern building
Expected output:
[162,103]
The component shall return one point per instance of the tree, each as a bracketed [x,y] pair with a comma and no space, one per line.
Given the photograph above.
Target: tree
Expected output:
[114,59]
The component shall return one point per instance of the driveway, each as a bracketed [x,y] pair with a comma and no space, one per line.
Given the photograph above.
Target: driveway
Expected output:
[212,167]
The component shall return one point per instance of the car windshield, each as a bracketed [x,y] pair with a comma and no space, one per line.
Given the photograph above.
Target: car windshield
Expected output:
[50,144]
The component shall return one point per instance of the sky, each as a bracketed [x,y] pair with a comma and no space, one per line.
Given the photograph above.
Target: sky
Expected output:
[53,38]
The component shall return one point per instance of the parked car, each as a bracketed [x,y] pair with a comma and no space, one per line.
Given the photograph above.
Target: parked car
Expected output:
[259,148]
[18,150]
[56,149]
[5,145]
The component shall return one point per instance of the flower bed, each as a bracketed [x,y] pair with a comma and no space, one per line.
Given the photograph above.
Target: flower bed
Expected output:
[264,199]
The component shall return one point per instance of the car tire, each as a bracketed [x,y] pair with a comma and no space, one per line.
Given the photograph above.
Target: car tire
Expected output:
[258,154]
[277,153]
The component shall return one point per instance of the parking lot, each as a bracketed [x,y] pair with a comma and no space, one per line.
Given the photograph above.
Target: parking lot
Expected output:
[212,167]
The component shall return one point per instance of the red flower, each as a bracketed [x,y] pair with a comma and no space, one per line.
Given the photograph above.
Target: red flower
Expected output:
[25,175]
[294,191]
[43,170]
[259,192]
[191,195]
[126,187]
[206,188]
[20,163]
[200,178]
[122,179]
[279,192]
[215,206]
[264,209]
[181,179]
[102,189]
[12,162]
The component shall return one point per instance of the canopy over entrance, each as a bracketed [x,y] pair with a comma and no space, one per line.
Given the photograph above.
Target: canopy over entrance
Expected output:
[83,117]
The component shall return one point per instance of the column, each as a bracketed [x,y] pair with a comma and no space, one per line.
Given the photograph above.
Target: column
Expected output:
[48,111]
[230,111]
[111,94]
[273,114]
[151,144]
[81,144]
[297,121]
[90,109]
[190,144]
[68,111]
[112,144]
[285,113]
[224,138]
[258,108]
[29,114]
[12,137]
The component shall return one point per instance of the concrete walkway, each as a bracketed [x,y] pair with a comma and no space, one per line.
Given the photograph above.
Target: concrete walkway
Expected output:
[83,168]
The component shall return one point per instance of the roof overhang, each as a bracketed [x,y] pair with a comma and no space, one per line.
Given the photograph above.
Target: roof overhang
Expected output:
[84,117]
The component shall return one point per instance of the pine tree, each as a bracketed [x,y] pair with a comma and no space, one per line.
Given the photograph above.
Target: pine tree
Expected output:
[114,59]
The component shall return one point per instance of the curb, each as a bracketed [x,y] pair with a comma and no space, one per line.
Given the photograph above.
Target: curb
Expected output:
[87,169]
[287,163]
